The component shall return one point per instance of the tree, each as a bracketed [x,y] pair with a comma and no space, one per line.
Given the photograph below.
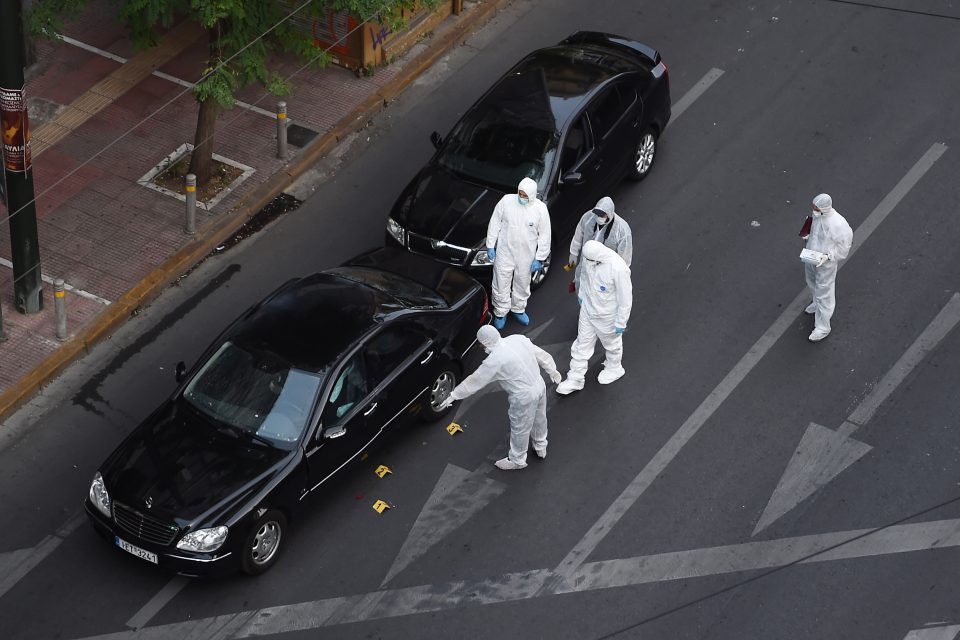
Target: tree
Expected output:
[241,36]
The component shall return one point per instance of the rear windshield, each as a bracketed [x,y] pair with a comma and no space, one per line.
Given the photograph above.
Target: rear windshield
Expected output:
[411,294]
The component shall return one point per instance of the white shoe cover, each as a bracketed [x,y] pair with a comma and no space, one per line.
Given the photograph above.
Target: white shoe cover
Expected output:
[508,465]
[568,386]
[811,309]
[606,376]
[541,453]
[818,335]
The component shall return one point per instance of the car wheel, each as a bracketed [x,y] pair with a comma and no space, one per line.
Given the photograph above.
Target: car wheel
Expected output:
[644,156]
[444,382]
[539,277]
[264,543]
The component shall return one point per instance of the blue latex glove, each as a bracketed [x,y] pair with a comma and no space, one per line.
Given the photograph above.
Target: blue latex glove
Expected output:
[580,301]
[491,254]
[536,266]
[619,329]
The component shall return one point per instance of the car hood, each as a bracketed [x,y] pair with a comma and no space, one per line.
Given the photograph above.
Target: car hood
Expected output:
[442,206]
[183,468]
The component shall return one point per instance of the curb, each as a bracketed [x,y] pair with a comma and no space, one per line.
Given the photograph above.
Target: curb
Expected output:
[215,232]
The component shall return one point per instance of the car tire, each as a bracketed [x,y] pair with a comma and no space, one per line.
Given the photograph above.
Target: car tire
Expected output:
[539,277]
[644,156]
[445,379]
[263,543]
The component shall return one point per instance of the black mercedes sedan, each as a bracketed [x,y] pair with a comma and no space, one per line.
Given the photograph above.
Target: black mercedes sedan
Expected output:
[577,118]
[287,396]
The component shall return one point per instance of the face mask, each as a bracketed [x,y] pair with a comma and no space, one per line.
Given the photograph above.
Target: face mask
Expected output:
[817,213]
[523,200]
[602,220]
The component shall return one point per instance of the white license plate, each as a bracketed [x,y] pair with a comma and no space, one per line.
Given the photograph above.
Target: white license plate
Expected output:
[136,551]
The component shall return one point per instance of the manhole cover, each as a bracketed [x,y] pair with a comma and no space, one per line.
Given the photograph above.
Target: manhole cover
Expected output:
[300,136]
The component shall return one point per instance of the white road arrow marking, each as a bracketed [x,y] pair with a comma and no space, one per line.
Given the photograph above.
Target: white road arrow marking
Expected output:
[457,495]
[822,453]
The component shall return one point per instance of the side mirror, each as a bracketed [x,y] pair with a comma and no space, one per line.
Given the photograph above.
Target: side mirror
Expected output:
[334,432]
[180,371]
[436,139]
[573,178]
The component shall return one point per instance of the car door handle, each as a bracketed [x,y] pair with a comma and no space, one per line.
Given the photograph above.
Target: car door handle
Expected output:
[427,359]
[370,410]
[596,167]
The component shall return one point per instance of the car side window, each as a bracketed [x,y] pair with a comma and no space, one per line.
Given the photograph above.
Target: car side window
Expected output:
[576,145]
[351,387]
[605,111]
[388,349]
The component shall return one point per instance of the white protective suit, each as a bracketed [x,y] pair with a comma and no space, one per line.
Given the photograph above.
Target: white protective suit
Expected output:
[515,362]
[520,233]
[829,234]
[615,234]
[606,297]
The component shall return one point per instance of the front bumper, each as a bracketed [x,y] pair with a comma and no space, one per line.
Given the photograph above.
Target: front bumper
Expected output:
[445,254]
[224,561]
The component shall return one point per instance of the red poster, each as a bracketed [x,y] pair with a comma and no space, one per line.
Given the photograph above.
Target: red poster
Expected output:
[16,130]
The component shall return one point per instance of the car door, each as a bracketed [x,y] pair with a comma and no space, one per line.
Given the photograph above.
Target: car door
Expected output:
[575,177]
[398,360]
[614,134]
[348,420]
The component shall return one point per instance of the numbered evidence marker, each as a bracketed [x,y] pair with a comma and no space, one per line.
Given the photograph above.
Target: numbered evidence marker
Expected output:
[380,506]
[453,428]
[382,470]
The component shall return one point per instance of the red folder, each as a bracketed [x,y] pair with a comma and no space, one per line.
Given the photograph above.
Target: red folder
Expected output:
[805,231]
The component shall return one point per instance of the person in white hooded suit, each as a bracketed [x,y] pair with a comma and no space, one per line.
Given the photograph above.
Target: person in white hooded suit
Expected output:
[605,295]
[518,241]
[831,235]
[514,363]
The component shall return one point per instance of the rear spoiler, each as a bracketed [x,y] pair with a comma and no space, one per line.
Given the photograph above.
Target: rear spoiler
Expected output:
[615,42]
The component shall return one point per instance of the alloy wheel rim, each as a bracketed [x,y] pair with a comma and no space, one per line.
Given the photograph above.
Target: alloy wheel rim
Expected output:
[441,388]
[266,542]
[645,151]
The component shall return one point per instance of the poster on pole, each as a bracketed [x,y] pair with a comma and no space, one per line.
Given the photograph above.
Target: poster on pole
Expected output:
[15,129]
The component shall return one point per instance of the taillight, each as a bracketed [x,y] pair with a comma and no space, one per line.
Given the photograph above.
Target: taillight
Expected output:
[486,308]
[659,70]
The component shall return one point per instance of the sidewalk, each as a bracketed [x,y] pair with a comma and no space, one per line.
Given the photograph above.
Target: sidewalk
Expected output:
[117,243]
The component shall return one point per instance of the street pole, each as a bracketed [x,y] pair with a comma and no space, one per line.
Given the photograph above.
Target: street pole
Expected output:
[21,210]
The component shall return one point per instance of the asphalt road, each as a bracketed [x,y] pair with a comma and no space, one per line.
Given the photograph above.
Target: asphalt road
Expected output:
[739,482]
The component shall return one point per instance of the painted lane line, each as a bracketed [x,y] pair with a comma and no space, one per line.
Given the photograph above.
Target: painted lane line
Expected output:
[936,331]
[157,602]
[695,92]
[68,287]
[518,586]
[823,453]
[163,76]
[568,566]
[934,633]
[20,562]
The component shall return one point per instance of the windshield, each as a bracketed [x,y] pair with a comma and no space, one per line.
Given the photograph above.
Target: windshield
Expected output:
[412,294]
[491,149]
[255,392]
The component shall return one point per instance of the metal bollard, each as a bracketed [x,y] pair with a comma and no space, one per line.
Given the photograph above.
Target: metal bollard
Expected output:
[60,308]
[191,191]
[282,130]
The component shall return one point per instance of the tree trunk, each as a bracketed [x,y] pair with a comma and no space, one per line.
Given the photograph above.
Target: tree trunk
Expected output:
[201,162]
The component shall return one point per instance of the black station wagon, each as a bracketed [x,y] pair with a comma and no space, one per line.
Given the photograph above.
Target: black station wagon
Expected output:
[288,395]
[577,118]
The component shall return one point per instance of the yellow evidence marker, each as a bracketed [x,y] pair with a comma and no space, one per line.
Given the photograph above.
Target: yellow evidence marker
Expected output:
[382,470]
[380,506]
[453,428]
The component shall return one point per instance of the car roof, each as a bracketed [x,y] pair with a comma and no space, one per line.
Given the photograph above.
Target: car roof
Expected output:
[312,321]
[555,82]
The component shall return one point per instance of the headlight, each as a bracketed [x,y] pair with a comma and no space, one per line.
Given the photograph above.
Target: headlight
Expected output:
[480,259]
[99,496]
[399,233]
[203,539]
